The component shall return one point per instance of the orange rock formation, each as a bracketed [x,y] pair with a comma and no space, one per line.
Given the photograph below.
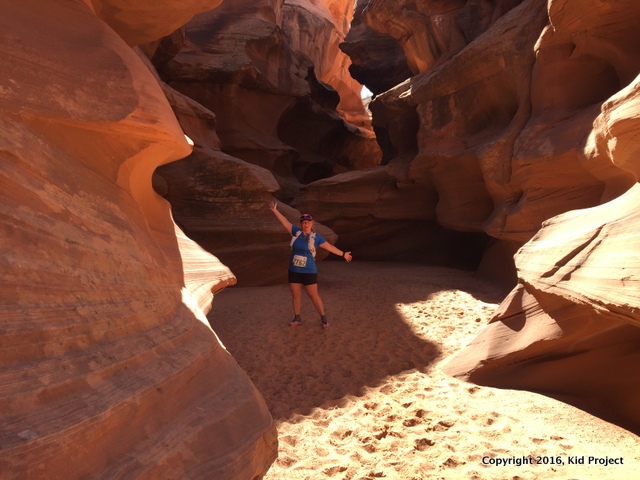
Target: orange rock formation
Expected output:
[270,79]
[510,125]
[109,367]
[525,130]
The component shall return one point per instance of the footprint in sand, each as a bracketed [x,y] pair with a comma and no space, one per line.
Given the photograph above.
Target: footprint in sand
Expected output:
[342,434]
[388,389]
[370,448]
[412,422]
[423,443]
[442,426]
[452,463]
[285,462]
[330,472]
[289,440]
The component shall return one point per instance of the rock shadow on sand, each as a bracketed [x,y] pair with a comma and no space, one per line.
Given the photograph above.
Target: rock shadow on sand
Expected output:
[300,368]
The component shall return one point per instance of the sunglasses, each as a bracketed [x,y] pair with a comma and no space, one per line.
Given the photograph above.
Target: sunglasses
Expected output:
[306,216]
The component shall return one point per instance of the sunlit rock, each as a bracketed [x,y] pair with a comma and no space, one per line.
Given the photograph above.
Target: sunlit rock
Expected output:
[570,328]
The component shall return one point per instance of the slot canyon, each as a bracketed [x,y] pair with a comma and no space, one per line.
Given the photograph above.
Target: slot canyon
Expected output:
[142,142]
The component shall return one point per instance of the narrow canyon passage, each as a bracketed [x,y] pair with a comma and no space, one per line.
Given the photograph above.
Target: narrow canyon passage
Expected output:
[140,148]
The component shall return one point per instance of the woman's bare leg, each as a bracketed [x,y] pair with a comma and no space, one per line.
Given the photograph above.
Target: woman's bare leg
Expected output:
[296,297]
[312,291]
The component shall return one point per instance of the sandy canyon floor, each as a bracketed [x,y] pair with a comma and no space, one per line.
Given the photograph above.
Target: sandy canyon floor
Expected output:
[366,398]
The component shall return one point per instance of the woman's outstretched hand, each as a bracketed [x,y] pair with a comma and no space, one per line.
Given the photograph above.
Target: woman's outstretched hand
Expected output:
[347,256]
[273,206]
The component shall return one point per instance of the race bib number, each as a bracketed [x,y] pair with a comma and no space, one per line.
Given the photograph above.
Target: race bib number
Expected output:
[299,261]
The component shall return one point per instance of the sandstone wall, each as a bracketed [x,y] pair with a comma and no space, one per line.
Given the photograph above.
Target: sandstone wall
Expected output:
[510,125]
[521,118]
[269,79]
[108,366]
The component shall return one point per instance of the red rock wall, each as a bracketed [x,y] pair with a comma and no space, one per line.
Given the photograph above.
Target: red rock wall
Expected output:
[511,120]
[521,118]
[109,367]
[270,79]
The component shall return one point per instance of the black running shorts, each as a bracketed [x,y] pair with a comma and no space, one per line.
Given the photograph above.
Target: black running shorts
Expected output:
[303,278]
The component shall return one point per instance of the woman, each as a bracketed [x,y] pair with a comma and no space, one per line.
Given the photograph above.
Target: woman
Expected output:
[302,265]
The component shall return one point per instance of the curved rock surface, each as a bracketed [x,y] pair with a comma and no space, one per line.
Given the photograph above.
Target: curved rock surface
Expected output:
[570,328]
[148,20]
[512,113]
[488,128]
[316,28]
[429,32]
[377,59]
[248,63]
[109,368]
[504,151]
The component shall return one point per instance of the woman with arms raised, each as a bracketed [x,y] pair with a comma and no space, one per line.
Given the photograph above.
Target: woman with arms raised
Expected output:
[302,264]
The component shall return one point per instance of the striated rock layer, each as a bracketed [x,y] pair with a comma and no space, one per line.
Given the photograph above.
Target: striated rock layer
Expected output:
[502,149]
[570,328]
[108,366]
